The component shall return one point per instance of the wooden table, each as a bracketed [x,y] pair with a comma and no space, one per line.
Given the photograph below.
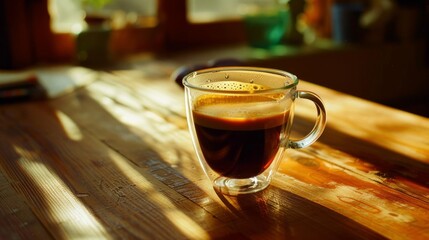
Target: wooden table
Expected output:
[114,160]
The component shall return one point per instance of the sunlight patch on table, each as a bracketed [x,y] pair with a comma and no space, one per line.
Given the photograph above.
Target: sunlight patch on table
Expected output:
[374,127]
[57,204]
[185,224]
[142,122]
[70,127]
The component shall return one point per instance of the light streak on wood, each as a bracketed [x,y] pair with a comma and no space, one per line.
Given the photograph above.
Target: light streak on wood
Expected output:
[63,209]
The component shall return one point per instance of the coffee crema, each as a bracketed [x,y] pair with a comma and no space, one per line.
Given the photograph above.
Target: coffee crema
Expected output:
[234,86]
[239,135]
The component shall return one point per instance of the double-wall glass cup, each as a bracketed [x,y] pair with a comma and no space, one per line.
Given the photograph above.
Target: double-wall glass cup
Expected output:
[240,120]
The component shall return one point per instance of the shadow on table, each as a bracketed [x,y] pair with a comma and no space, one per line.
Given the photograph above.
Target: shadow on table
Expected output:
[283,215]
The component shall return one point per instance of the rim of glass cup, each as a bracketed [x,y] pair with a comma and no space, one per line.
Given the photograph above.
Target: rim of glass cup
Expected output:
[293,77]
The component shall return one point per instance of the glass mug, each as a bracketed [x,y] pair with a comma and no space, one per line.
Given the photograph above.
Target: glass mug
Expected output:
[240,120]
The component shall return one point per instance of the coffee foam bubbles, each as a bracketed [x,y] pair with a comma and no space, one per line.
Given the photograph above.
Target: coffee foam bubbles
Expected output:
[234,86]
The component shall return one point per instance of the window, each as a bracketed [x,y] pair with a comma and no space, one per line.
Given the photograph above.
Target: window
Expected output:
[50,27]
[262,23]
[70,15]
[181,23]
[200,11]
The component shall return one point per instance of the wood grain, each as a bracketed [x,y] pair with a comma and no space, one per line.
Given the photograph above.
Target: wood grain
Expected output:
[115,160]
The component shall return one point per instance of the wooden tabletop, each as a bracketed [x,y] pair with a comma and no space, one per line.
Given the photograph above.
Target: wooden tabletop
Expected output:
[114,160]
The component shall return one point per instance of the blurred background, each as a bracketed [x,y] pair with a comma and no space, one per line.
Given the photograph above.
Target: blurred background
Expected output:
[374,49]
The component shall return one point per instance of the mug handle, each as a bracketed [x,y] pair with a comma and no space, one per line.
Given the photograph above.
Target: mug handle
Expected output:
[319,126]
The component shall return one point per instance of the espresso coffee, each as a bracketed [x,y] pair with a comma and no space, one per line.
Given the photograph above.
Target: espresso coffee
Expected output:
[240,119]
[239,135]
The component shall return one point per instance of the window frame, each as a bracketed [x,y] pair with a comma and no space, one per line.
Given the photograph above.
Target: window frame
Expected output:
[181,33]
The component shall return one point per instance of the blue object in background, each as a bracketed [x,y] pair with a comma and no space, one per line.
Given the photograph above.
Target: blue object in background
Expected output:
[345,22]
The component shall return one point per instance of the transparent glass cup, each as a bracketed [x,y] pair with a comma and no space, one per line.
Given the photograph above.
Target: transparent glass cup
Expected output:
[240,120]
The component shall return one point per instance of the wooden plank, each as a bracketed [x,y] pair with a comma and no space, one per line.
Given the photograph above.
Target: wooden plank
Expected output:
[78,187]
[17,221]
[25,160]
[120,156]
[374,205]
